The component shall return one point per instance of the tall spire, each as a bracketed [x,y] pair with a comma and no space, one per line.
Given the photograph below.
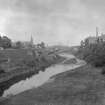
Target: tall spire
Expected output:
[31,40]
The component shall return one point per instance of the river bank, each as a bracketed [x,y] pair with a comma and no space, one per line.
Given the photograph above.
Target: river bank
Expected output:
[81,86]
[68,66]
[8,79]
[44,76]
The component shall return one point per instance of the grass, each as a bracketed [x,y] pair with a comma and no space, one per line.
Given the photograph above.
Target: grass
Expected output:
[82,86]
[15,54]
[21,64]
[13,57]
[18,58]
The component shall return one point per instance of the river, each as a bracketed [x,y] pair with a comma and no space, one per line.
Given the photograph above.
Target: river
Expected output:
[43,77]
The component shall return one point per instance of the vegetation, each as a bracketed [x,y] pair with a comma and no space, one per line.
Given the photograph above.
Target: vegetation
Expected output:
[5,42]
[1,70]
[82,86]
[19,44]
[16,59]
[15,62]
[41,45]
[93,53]
[23,63]
[25,57]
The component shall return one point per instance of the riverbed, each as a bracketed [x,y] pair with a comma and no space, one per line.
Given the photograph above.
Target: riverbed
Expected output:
[43,76]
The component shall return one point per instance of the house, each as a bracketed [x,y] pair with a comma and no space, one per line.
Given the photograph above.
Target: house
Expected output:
[94,39]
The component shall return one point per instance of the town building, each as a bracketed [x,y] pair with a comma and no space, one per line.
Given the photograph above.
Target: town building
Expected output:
[96,38]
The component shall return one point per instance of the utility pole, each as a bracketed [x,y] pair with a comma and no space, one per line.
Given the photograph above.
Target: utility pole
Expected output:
[97,32]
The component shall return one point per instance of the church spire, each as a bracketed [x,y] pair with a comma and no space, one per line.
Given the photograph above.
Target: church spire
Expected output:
[31,40]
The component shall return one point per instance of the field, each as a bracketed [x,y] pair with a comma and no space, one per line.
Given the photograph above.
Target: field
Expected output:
[82,86]
[11,59]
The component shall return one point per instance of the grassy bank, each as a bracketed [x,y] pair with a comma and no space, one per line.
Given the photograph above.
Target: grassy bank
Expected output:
[10,78]
[82,86]
[14,79]
[14,62]
[18,70]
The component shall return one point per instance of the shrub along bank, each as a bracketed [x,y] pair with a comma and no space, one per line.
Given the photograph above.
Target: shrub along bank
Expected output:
[93,54]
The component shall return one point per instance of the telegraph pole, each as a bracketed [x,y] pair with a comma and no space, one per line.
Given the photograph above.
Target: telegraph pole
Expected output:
[97,32]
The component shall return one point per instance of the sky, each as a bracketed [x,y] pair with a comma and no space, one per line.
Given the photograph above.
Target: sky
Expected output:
[52,21]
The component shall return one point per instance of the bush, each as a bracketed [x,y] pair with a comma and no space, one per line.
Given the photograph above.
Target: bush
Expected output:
[29,63]
[94,54]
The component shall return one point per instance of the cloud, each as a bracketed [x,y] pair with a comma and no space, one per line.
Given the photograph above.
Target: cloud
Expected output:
[51,21]
[95,5]
[35,6]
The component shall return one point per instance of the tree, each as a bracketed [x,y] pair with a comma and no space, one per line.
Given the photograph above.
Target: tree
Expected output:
[82,43]
[41,45]
[5,42]
[86,42]
[19,44]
